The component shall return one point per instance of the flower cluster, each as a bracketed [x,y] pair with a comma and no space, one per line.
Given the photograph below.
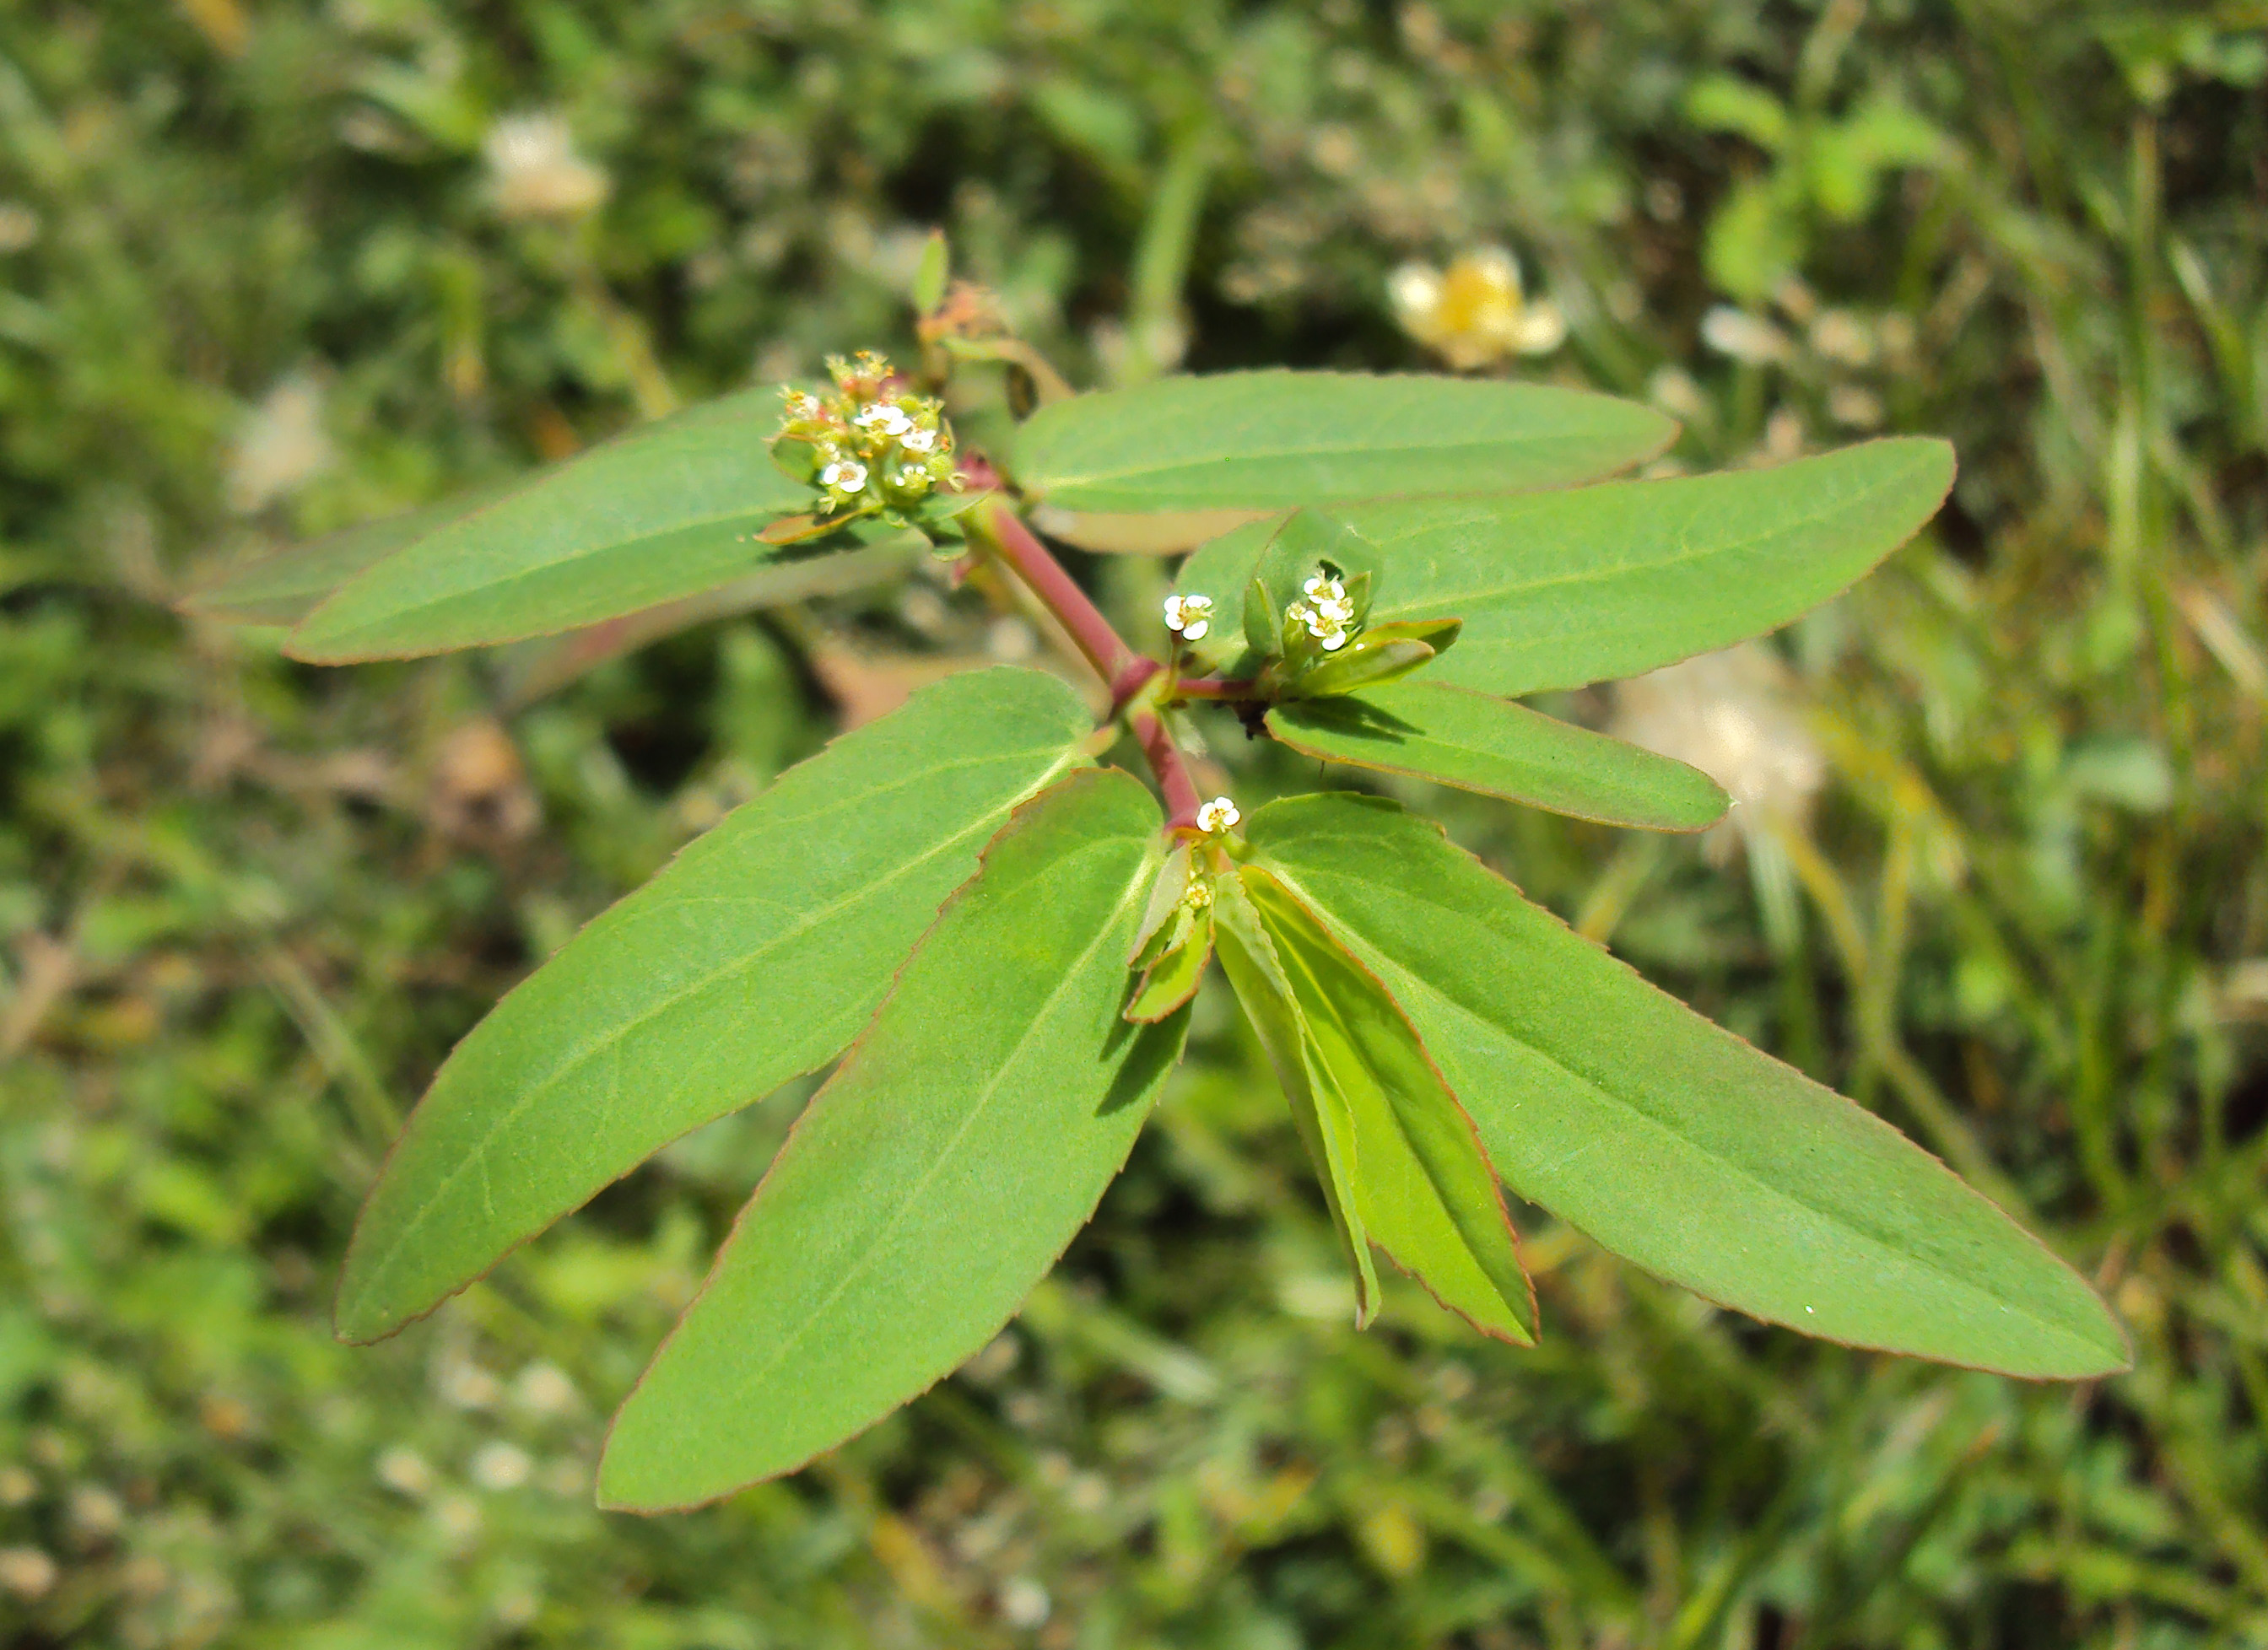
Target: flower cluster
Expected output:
[1328,613]
[1189,618]
[871,446]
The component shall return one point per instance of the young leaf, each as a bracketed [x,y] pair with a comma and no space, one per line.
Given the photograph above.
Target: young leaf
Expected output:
[1365,664]
[1424,1188]
[1272,440]
[1667,1138]
[757,955]
[1556,590]
[1173,978]
[967,1138]
[1454,736]
[668,510]
[1319,1111]
[285,588]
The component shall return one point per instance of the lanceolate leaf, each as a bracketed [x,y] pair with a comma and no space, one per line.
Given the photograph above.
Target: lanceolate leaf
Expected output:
[757,955]
[1424,1188]
[967,1138]
[1273,440]
[1319,1111]
[666,511]
[286,587]
[1668,1139]
[1560,589]
[1455,736]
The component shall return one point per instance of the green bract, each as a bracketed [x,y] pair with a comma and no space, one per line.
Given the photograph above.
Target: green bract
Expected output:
[1007,939]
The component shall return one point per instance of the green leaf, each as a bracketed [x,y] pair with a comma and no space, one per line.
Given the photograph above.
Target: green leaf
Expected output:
[967,1138]
[1726,103]
[1422,1184]
[1666,1138]
[1556,590]
[285,588]
[757,955]
[1455,736]
[931,273]
[1174,977]
[1365,664]
[1319,1113]
[1273,440]
[666,511]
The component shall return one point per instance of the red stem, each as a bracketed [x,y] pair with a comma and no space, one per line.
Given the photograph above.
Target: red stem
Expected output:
[1173,771]
[1216,689]
[1123,669]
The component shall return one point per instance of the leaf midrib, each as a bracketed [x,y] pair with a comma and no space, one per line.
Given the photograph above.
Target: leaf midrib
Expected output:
[1135,890]
[385,1266]
[1654,1125]
[502,581]
[1617,569]
[1052,485]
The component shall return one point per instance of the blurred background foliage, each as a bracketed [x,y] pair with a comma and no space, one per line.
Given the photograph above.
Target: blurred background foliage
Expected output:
[268,267]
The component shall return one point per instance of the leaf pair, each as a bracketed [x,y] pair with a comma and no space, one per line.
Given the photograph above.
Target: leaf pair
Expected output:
[1559,590]
[757,955]
[684,505]
[1666,1138]
[964,1140]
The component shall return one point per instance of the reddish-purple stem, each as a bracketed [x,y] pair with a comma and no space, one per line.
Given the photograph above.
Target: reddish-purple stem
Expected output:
[1216,689]
[1122,669]
[1173,771]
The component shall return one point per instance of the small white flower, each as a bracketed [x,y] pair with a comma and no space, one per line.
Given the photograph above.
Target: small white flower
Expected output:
[1218,815]
[918,441]
[1189,618]
[844,476]
[891,421]
[1330,599]
[1327,626]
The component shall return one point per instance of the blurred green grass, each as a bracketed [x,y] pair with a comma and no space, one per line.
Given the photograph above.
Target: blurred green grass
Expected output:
[269,268]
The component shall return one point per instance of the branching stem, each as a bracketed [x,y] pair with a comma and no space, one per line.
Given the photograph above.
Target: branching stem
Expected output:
[1124,671]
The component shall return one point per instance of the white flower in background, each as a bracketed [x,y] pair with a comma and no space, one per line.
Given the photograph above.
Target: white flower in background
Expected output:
[405,1472]
[280,448]
[1189,618]
[497,1466]
[918,441]
[1748,339]
[1734,716]
[1218,815]
[534,171]
[1024,1602]
[1473,315]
